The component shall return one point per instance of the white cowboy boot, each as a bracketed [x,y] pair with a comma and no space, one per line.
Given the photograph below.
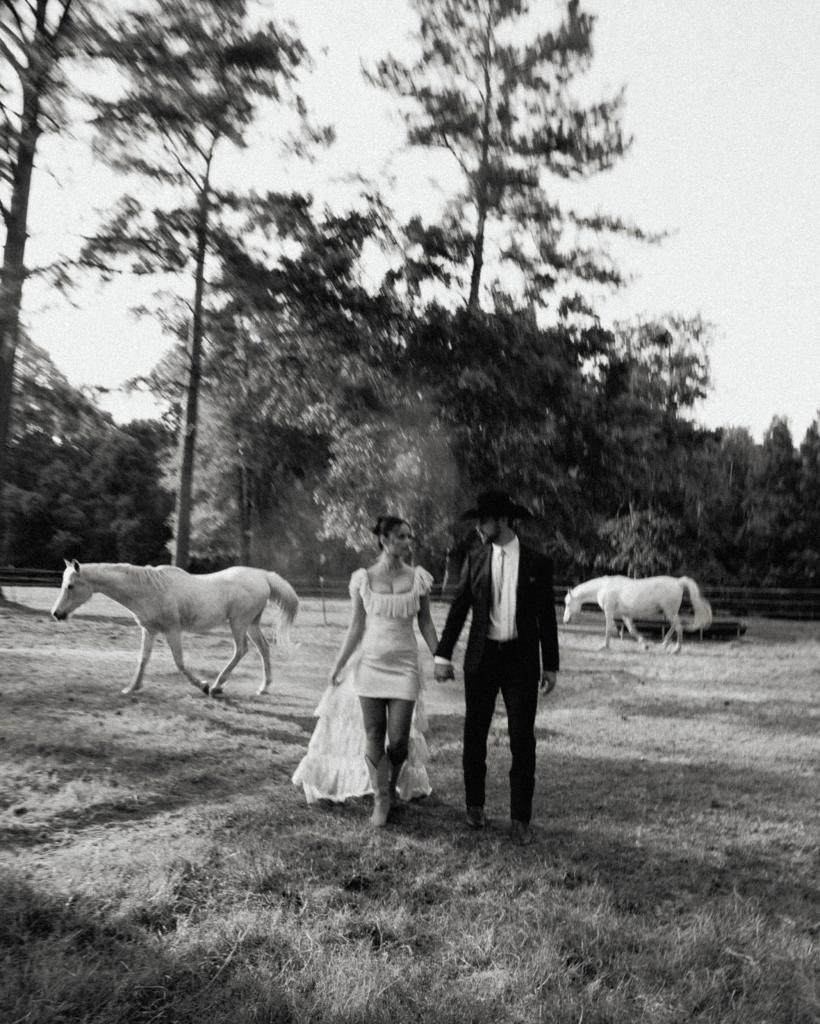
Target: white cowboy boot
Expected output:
[380,781]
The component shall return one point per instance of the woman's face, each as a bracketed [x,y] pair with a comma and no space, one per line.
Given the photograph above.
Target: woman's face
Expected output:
[399,542]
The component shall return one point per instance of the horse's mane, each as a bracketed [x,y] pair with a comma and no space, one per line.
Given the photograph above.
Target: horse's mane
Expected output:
[150,575]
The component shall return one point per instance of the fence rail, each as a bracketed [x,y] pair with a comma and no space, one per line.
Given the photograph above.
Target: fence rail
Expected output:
[11,577]
[762,602]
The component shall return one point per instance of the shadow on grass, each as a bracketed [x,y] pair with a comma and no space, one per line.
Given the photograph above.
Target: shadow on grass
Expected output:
[659,832]
[62,960]
[651,831]
[656,836]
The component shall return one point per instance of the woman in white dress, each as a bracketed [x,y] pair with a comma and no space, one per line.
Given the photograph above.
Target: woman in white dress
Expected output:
[378,663]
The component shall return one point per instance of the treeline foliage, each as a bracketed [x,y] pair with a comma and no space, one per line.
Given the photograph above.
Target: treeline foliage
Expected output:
[78,485]
[710,503]
[327,393]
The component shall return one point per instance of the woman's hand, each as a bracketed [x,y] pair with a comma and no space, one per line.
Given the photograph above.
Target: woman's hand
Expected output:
[334,679]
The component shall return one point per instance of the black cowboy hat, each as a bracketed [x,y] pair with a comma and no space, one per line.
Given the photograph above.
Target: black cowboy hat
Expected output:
[494,505]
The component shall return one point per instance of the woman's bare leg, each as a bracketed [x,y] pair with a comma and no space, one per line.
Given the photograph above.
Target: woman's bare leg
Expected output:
[374,714]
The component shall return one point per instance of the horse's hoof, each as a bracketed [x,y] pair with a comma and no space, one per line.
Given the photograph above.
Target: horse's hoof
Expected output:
[262,691]
[213,691]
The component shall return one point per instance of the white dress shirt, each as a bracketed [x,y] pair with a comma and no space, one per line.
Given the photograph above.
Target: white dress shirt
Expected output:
[504,584]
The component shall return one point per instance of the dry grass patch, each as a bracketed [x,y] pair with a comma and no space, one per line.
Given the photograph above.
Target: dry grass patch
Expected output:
[158,865]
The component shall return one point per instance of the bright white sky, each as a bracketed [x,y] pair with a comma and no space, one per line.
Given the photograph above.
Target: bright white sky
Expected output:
[722,99]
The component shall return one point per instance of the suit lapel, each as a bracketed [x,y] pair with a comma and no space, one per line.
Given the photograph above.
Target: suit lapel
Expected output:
[523,569]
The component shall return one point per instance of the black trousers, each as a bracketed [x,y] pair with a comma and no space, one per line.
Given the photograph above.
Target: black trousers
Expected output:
[500,668]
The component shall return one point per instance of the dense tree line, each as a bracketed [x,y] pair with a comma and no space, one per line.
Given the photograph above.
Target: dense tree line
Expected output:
[304,397]
[712,503]
[79,484]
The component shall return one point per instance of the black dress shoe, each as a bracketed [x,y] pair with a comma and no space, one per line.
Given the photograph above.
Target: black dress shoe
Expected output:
[475,817]
[521,833]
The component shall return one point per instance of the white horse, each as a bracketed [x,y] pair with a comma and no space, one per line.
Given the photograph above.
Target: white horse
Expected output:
[623,598]
[165,599]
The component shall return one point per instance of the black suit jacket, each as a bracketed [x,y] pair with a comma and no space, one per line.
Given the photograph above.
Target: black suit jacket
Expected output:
[534,613]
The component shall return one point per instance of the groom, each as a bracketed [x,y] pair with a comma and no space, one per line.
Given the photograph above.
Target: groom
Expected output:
[512,647]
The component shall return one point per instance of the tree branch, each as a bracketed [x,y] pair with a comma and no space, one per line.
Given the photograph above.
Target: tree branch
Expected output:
[171,149]
[15,14]
[448,145]
[9,55]
[62,21]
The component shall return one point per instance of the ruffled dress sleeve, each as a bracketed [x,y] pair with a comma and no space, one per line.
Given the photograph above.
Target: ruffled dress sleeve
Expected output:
[358,582]
[424,581]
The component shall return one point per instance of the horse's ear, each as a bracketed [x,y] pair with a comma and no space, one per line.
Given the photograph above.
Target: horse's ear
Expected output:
[67,563]
[75,565]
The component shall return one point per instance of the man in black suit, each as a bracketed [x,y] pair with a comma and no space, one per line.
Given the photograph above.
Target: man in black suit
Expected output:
[512,646]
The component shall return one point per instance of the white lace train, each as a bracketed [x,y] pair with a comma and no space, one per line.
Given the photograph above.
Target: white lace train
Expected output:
[334,767]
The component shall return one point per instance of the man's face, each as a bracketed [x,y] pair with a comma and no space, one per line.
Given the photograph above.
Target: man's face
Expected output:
[489,528]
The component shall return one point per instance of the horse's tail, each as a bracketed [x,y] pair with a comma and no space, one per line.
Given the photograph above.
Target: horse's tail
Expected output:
[700,606]
[284,596]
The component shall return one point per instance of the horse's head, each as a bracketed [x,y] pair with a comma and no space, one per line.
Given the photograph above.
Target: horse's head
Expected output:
[572,606]
[74,591]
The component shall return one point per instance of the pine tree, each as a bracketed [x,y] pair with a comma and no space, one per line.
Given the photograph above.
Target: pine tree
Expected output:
[36,38]
[196,76]
[505,111]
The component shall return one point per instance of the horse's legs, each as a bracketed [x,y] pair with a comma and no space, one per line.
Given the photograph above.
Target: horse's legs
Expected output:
[240,647]
[609,626]
[174,638]
[262,645]
[146,647]
[676,628]
[630,625]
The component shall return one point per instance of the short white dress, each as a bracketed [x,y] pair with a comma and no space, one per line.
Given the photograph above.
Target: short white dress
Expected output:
[385,665]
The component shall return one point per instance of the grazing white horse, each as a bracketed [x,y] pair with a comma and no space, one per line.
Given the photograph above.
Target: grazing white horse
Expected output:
[165,599]
[623,598]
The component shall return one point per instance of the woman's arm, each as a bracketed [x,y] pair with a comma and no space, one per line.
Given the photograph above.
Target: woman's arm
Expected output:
[355,631]
[426,625]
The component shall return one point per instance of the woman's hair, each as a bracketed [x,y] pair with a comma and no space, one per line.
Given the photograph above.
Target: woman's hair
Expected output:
[385,525]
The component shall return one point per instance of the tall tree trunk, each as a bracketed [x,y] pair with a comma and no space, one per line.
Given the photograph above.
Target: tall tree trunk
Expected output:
[483,176]
[245,514]
[41,51]
[14,270]
[189,424]
[478,260]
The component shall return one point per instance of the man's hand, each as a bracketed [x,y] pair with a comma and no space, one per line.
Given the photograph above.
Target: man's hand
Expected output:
[444,672]
[548,681]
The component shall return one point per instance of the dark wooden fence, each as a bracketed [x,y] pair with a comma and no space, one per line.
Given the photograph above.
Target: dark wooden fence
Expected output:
[11,577]
[727,602]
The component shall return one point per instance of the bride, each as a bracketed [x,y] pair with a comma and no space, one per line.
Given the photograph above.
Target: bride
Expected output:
[373,705]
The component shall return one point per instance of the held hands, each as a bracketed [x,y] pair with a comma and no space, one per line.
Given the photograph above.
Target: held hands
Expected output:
[444,672]
[548,681]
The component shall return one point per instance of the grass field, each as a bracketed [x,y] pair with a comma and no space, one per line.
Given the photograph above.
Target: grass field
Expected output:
[157,865]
